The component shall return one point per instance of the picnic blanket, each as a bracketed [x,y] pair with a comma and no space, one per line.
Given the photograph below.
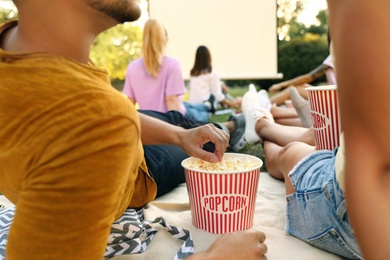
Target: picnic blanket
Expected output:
[173,210]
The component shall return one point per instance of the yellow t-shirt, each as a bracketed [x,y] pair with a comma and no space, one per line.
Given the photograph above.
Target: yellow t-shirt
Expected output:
[71,158]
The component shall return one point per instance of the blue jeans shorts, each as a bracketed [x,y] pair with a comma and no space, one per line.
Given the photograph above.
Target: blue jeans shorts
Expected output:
[316,211]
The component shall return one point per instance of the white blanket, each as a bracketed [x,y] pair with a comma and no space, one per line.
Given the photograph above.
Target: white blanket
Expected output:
[269,217]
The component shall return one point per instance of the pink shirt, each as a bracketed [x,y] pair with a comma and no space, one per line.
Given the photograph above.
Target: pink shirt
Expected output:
[150,92]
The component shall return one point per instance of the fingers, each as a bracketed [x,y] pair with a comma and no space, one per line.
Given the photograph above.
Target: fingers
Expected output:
[195,138]
[257,239]
[262,247]
[247,244]
[262,236]
[257,235]
[221,141]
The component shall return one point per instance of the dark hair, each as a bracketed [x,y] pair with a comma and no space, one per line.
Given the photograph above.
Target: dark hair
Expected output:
[202,63]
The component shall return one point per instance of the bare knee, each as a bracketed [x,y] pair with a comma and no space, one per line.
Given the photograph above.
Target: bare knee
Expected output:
[292,154]
[271,155]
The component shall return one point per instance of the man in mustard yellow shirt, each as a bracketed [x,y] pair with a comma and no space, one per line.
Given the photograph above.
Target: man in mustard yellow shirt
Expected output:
[72,153]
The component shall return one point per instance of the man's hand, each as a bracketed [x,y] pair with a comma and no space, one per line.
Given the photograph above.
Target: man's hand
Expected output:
[192,141]
[155,131]
[248,244]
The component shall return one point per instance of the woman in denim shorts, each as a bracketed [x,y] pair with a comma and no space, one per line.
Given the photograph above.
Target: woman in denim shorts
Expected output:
[314,180]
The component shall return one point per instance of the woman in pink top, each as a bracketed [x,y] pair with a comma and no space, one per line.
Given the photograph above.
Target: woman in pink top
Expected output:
[155,81]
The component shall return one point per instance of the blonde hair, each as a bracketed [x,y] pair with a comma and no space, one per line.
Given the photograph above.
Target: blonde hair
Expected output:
[153,46]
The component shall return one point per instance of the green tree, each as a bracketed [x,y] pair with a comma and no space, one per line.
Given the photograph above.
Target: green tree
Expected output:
[300,48]
[287,13]
[301,55]
[116,47]
[300,30]
[7,13]
[322,28]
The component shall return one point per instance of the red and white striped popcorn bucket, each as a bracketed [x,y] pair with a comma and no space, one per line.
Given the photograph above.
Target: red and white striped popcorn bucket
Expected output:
[223,201]
[324,109]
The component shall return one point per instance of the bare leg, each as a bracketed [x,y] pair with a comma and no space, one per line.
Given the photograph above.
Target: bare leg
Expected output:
[289,121]
[282,134]
[230,125]
[284,146]
[281,160]
[283,112]
[286,116]
[280,97]
[284,94]
[302,91]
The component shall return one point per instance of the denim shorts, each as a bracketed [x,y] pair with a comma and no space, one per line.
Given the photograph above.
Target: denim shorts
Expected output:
[316,211]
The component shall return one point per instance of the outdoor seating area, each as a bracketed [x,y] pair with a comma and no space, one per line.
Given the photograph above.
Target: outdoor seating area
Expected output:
[269,216]
[194,130]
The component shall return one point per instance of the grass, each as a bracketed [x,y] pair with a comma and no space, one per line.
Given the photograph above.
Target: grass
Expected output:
[256,149]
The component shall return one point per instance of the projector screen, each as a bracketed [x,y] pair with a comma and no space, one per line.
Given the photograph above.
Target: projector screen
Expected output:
[241,35]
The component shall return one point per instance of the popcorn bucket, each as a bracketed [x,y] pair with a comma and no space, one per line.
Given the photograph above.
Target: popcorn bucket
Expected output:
[324,109]
[224,200]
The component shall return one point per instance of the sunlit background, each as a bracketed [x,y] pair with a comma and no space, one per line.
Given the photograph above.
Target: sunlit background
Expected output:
[302,26]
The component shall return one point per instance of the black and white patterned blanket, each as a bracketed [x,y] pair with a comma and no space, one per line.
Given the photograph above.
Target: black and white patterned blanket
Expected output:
[130,234]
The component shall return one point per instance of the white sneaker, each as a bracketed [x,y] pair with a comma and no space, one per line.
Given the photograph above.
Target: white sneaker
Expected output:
[252,88]
[253,111]
[262,97]
[264,100]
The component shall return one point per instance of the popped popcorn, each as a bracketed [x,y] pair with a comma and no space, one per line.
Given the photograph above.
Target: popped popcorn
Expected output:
[229,164]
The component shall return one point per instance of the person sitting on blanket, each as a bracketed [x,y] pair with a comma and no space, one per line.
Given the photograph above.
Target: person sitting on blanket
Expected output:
[155,81]
[205,84]
[74,152]
[314,180]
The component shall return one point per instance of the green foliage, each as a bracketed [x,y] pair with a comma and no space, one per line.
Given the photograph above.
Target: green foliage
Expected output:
[301,55]
[322,17]
[288,11]
[288,25]
[300,30]
[8,13]
[116,47]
